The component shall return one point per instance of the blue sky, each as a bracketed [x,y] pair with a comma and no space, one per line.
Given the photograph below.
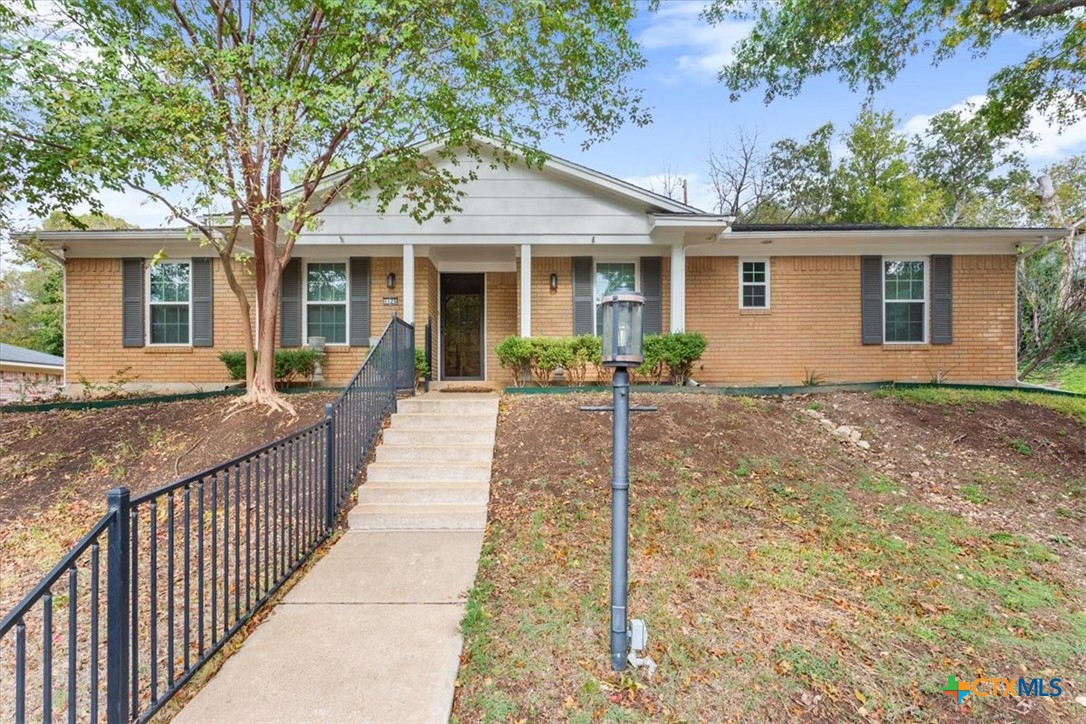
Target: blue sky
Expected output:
[691,110]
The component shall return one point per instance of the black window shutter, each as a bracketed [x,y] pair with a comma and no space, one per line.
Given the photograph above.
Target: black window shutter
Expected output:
[942,303]
[203,323]
[871,298]
[360,301]
[290,305]
[584,313]
[652,314]
[132,302]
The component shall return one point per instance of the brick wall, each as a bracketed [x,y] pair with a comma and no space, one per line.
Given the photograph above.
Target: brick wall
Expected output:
[502,319]
[813,325]
[29,386]
[93,346]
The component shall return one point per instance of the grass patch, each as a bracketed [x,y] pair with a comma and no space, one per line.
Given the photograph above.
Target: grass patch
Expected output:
[1070,376]
[822,598]
[1072,406]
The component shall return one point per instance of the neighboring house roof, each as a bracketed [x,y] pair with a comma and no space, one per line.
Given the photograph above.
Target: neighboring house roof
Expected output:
[891,227]
[13,355]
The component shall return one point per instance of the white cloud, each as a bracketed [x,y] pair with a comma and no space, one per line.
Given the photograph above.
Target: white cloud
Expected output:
[1051,142]
[695,48]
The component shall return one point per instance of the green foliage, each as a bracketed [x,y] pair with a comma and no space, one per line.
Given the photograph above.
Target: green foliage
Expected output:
[422,369]
[674,353]
[61,220]
[548,354]
[515,355]
[1065,404]
[333,97]
[291,365]
[584,350]
[866,43]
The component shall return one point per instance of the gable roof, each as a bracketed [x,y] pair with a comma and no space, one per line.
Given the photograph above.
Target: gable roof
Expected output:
[12,354]
[563,167]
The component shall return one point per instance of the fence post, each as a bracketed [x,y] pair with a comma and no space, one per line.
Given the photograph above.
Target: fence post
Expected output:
[329,468]
[118,607]
[428,347]
[411,355]
[395,362]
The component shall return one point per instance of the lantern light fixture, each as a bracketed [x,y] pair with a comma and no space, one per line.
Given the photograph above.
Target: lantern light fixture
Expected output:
[554,282]
[390,280]
[622,329]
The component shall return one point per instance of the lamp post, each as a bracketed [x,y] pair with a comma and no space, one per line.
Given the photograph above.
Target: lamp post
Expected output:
[621,349]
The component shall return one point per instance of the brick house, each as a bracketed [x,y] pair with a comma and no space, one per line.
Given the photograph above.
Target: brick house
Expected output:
[27,375]
[531,253]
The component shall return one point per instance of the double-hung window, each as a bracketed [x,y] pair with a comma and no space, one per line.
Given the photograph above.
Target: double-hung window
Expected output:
[905,295]
[754,284]
[326,301]
[169,302]
[611,277]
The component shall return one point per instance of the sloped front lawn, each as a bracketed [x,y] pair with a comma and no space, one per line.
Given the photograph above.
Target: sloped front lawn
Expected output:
[785,573]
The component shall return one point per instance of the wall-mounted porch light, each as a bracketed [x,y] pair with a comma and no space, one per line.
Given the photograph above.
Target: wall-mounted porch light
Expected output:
[390,280]
[554,282]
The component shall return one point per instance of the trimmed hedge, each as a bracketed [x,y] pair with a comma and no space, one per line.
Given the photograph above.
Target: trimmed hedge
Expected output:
[422,370]
[539,357]
[290,364]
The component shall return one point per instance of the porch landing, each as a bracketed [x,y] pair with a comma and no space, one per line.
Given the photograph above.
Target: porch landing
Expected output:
[371,634]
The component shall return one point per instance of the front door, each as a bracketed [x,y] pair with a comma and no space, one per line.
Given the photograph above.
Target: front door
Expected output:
[462,347]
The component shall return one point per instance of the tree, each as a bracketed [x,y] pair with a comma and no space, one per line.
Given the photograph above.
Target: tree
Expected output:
[333,95]
[867,43]
[800,178]
[737,174]
[959,157]
[32,288]
[874,183]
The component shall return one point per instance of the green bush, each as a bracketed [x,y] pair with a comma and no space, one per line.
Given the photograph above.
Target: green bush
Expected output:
[673,353]
[585,350]
[548,354]
[290,364]
[422,369]
[515,354]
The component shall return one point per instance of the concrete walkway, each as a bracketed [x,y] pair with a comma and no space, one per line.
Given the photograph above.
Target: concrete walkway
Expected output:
[371,634]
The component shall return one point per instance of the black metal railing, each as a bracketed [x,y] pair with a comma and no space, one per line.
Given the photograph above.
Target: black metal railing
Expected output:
[188,564]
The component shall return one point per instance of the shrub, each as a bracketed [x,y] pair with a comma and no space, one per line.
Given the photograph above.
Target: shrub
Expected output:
[547,355]
[515,355]
[585,350]
[290,364]
[674,353]
[422,369]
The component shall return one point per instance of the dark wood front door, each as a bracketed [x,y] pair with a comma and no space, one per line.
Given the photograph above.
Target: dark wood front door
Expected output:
[462,347]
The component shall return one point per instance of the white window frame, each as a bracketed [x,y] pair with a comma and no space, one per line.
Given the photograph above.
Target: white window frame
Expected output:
[763,260]
[595,292]
[346,302]
[147,304]
[926,261]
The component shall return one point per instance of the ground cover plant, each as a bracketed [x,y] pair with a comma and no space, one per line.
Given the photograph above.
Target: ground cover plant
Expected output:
[784,572]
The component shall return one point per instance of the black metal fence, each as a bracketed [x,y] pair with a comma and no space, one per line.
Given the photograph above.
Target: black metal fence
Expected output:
[112,638]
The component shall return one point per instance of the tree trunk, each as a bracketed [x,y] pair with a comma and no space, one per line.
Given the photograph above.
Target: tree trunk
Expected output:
[261,380]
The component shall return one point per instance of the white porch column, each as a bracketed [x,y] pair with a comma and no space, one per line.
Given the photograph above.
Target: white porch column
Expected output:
[409,283]
[525,290]
[678,288]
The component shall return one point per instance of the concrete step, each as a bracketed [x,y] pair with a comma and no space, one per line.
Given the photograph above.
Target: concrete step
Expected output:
[417,517]
[423,493]
[448,421]
[449,405]
[441,454]
[422,473]
[397,436]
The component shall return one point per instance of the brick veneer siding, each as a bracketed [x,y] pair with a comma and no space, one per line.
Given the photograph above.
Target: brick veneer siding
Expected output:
[813,325]
[93,326]
[18,385]
[502,318]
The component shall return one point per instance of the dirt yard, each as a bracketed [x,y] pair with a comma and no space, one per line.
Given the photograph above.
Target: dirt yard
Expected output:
[56,467]
[785,572]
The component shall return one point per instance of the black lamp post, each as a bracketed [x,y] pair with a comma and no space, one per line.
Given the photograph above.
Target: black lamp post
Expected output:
[621,349]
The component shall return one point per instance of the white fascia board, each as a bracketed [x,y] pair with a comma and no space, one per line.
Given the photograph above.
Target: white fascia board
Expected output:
[692,223]
[29,367]
[889,241]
